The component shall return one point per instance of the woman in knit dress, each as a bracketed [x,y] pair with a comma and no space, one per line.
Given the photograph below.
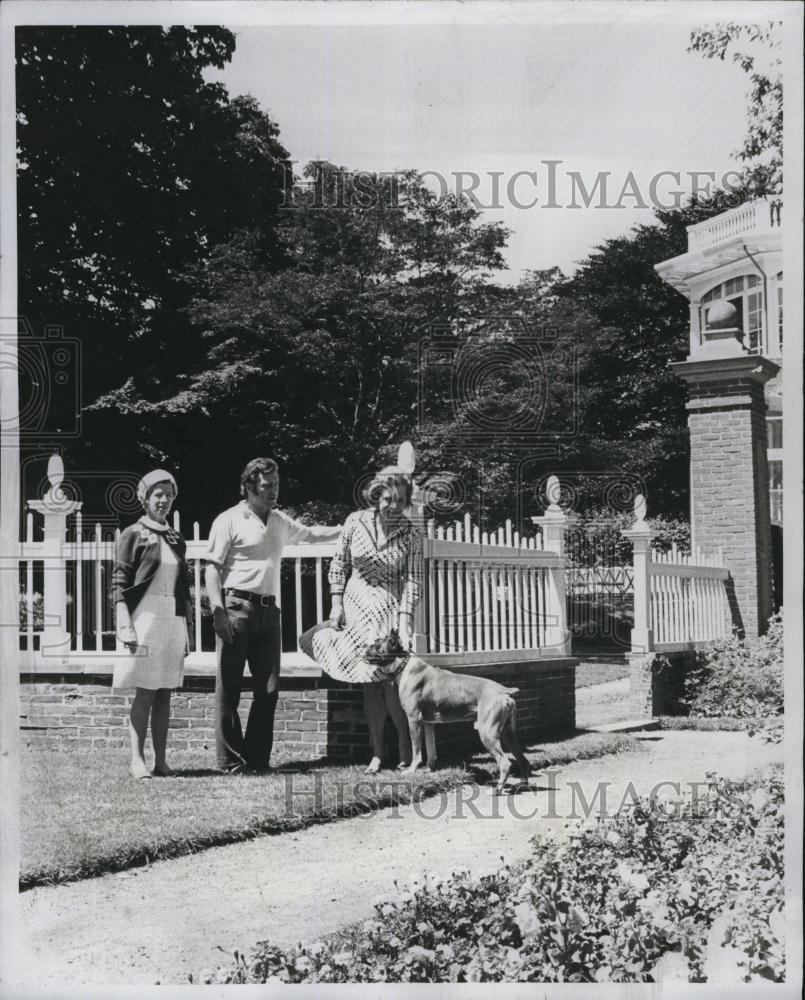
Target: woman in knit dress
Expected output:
[152,606]
[375,581]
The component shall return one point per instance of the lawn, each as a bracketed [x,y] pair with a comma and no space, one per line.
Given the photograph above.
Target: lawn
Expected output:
[599,671]
[82,815]
[722,723]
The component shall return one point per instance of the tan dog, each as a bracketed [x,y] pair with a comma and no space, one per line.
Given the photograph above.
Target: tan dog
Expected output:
[430,694]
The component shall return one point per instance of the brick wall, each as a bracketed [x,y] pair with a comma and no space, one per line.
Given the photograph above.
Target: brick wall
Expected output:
[317,717]
[311,717]
[729,486]
[656,683]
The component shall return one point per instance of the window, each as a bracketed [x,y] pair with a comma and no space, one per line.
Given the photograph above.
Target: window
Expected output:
[774,426]
[746,294]
[776,491]
[780,308]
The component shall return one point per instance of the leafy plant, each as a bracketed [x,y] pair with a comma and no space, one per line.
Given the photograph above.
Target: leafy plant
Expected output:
[698,883]
[739,678]
[757,49]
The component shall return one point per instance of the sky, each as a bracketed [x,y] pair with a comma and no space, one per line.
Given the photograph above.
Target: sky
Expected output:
[615,93]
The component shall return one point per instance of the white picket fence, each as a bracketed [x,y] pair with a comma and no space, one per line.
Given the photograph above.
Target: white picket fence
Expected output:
[491,595]
[488,596]
[680,599]
[689,602]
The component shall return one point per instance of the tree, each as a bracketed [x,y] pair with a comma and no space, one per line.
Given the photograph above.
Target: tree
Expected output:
[316,363]
[131,168]
[759,57]
[613,391]
[130,164]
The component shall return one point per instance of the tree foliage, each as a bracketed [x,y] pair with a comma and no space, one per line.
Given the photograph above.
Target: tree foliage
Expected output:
[130,163]
[316,362]
[131,168]
[756,48]
[385,325]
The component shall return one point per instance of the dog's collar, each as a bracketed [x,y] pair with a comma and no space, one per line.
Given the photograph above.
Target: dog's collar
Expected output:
[384,661]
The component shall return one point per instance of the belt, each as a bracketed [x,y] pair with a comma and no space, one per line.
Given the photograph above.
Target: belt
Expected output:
[264,600]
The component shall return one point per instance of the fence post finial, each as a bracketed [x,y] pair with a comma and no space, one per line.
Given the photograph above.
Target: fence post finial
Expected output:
[406,458]
[553,493]
[55,470]
[639,511]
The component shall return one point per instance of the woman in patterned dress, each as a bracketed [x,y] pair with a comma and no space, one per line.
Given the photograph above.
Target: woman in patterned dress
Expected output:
[375,581]
[152,605]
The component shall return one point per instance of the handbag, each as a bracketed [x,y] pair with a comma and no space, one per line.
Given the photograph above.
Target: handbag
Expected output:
[305,640]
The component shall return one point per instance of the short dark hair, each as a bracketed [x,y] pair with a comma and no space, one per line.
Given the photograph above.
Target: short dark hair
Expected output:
[381,481]
[256,468]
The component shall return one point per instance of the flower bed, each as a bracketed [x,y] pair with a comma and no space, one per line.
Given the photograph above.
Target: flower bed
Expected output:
[689,890]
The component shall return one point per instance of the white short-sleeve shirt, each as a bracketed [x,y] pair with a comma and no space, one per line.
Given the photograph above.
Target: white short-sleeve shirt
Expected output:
[249,552]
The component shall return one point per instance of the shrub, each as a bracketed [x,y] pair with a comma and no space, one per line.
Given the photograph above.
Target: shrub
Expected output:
[319,512]
[739,678]
[597,536]
[698,883]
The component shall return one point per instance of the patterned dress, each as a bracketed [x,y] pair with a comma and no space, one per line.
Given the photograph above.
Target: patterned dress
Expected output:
[378,581]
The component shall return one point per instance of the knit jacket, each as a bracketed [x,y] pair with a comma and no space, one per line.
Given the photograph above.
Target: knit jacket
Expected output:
[137,561]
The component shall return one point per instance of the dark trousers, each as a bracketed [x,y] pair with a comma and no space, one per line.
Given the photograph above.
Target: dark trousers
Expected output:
[258,640]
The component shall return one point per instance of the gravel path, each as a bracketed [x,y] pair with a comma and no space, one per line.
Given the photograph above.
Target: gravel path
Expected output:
[607,702]
[157,924]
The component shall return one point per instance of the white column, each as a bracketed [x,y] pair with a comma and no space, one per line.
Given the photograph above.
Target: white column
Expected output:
[554,523]
[55,508]
[641,535]
[695,326]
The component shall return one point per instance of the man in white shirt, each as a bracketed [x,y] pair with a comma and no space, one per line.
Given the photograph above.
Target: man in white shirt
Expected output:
[243,583]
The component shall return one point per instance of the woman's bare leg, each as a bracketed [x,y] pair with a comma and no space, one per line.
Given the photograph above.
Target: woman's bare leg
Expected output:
[138,727]
[375,707]
[160,717]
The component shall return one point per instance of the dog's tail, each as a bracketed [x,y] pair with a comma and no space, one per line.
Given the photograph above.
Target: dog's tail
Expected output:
[511,691]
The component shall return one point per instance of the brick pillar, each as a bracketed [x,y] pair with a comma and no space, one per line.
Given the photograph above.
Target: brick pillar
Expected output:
[729,506]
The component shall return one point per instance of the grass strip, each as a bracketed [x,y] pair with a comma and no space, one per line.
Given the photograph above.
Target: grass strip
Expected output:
[723,723]
[590,673]
[82,815]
